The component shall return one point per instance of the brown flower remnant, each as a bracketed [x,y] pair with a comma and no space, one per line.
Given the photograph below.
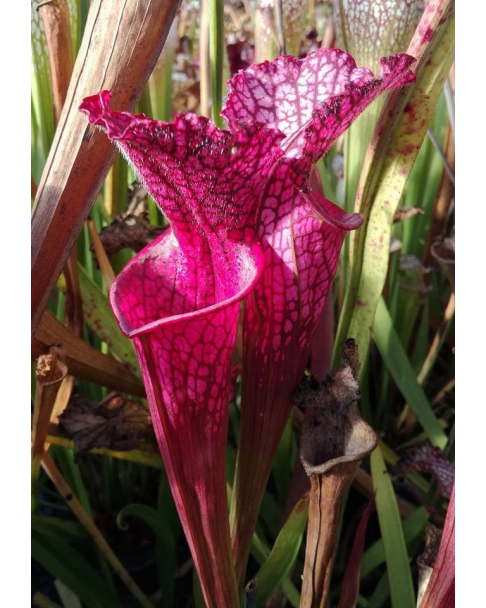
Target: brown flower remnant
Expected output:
[334,440]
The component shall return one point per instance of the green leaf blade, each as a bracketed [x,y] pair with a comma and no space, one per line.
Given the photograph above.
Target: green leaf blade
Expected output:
[284,552]
[400,368]
[398,568]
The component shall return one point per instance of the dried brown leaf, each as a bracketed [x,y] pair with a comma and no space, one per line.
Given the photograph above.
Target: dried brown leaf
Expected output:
[405,213]
[116,423]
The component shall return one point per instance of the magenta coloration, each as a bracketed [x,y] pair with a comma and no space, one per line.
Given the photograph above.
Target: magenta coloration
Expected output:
[440,592]
[179,301]
[312,101]
[243,221]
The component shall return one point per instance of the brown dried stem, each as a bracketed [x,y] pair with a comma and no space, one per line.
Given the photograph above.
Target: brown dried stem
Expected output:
[334,440]
[103,261]
[121,43]
[84,361]
[442,202]
[407,416]
[74,321]
[49,372]
[57,28]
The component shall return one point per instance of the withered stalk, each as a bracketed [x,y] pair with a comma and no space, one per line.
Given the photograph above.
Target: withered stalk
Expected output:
[57,28]
[334,440]
[74,321]
[121,43]
[50,371]
[103,260]
[83,360]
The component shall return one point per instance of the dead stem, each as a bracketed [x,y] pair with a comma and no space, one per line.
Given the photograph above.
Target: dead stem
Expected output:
[437,341]
[55,16]
[103,261]
[50,371]
[334,439]
[57,27]
[83,360]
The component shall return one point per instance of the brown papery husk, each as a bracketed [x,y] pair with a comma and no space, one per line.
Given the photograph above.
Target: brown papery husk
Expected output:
[334,440]
[330,480]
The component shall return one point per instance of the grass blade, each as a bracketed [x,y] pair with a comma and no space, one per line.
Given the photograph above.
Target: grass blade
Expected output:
[284,552]
[400,368]
[412,526]
[65,563]
[100,319]
[88,523]
[399,575]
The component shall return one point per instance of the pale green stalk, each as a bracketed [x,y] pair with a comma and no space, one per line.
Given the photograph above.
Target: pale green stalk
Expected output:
[216,49]
[390,158]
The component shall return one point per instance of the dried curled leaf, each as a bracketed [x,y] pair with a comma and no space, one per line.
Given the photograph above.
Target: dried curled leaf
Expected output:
[332,431]
[50,368]
[115,423]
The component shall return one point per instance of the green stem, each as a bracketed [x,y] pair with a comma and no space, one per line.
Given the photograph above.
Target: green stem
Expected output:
[216,46]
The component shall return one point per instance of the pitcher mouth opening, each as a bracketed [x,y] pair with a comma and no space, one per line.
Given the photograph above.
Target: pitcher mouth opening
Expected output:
[121,289]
